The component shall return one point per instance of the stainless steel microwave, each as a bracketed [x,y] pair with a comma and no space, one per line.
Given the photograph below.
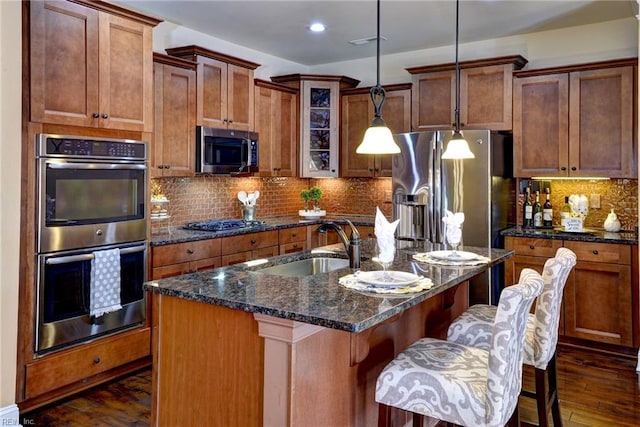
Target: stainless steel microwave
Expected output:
[226,151]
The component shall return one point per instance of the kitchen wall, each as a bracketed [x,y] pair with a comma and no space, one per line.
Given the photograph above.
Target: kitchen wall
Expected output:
[619,194]
[205,197]
[10,163]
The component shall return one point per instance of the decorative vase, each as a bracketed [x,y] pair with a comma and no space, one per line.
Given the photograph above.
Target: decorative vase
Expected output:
[612,223]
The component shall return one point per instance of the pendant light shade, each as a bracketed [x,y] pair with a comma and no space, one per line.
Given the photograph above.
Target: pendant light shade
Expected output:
[378,138]
[458,147]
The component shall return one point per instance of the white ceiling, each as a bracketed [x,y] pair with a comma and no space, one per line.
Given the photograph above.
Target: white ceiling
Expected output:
[279,27]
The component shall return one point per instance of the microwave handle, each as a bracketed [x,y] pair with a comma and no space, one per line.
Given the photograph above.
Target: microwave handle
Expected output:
[96,166]
[247,153]
[87,257]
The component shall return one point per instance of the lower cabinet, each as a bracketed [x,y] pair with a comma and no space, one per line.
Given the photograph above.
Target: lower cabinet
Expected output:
[187,257]
[598,296]
[85,363]
[292,240]
[317,239]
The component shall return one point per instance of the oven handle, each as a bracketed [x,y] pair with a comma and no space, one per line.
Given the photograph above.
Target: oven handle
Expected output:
[87,257]
[96,166]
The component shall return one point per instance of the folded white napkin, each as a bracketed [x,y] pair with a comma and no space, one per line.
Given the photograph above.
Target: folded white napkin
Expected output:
[453,222]
[105,282]
[385,235]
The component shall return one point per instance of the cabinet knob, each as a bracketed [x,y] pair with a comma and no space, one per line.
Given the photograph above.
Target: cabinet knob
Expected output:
[295,245]
[96,360]
[99,232]
[230,120]
[376,170]
[595,252]
[253,241]
[532,247]
[96,115]
[294,234]
[563,168]
[370,169]
[333,171]
[190,251]
[167,166]
[225,120]
[105,116]
[574,168]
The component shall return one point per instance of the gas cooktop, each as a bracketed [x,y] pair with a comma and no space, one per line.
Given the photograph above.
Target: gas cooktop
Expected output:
[223,224]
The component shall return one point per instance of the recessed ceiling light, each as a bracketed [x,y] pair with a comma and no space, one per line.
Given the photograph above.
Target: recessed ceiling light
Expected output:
[317,27]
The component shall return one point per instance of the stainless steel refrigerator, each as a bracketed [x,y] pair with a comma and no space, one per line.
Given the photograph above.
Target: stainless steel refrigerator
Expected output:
[424,186]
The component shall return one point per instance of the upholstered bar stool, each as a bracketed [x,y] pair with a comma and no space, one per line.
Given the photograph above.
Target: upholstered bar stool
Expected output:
[473,328]
[461,384]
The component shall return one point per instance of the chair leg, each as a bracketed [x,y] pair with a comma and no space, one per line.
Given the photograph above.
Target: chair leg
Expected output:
[384,415]
[541,396]
[514,421]
[418,420]
[553,391]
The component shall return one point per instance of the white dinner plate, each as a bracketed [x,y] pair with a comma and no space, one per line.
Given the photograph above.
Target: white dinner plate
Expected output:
[398,278]
[453,255]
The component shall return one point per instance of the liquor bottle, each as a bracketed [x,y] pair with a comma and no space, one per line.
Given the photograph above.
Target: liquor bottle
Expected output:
[527,216]
[537,211]
[547,210]
[565,212]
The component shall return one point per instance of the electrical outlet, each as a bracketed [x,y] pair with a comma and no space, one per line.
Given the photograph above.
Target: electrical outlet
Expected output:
[594,201]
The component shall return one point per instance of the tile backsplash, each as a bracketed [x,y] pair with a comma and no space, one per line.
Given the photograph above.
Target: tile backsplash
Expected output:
[204,197]
[619,194]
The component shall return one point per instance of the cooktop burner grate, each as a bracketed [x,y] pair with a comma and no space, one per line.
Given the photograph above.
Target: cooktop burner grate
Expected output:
[223,224]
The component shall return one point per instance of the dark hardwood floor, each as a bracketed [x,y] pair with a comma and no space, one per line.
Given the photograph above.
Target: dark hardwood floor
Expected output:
[596,389]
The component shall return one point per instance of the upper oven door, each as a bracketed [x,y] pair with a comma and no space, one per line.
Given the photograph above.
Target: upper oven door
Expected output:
[84,204]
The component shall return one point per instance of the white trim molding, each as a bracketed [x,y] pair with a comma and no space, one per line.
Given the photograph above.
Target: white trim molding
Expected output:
[10,416]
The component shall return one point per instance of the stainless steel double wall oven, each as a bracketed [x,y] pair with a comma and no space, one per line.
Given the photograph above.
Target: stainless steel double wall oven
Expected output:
[92,196]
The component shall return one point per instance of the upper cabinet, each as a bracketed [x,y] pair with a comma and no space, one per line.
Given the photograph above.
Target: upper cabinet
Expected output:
[91,65]
[485,94]
[175,117]
[576,121]
[319,116]
[276,121]
[224,88]
[357,113]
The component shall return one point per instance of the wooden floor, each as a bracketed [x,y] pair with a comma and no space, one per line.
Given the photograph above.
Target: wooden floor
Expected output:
[595,389]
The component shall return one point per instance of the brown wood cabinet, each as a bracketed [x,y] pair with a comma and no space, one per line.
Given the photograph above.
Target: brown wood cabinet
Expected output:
[91,66]
[224,88]
[276,121]
[597,303]
[175,117]
[187,257]
[576,121]
[356,115]
[246,247]
[293,239]
[317,239]
[486,89]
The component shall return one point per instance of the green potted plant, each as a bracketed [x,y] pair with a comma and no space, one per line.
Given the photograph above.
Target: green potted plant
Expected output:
[305,196]
[315,194]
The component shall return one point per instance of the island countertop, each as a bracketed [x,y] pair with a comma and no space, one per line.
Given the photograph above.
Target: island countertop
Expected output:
[319,299]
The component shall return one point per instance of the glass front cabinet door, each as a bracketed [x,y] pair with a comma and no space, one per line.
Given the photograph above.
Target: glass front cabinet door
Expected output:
[319,129]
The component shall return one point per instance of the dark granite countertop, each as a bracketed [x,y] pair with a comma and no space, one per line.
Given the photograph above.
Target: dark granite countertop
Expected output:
[319,299]
[589,235]
[172,235]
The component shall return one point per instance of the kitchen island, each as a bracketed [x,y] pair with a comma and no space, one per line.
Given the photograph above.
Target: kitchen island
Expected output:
[234,346]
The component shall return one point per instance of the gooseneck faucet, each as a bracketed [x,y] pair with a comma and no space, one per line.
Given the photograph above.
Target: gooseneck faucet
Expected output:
[351,245]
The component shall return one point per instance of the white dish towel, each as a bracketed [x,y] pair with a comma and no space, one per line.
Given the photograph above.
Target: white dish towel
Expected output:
[105,282]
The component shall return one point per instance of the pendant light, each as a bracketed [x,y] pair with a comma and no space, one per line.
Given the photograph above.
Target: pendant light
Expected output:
[458,147]
[378,139]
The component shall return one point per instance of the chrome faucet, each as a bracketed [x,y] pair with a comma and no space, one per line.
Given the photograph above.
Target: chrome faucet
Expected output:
[351,245]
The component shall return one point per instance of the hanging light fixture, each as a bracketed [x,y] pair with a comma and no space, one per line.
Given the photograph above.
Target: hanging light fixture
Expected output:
[378,139]
[458,147]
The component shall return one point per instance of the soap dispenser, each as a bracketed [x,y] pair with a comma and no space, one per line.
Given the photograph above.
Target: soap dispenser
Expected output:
[612,223]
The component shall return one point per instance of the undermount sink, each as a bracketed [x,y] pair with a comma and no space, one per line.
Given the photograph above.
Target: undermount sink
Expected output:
[306,267]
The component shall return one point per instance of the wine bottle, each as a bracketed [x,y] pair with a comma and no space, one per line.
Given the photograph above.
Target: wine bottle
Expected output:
[547,210]
[565,212]
[537,211]
[527,216]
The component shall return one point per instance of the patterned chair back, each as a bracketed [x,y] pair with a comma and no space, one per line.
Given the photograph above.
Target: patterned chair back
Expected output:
[504,377]
[554,275]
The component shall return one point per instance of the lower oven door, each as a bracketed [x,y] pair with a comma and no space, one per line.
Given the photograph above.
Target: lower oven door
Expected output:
[64,297]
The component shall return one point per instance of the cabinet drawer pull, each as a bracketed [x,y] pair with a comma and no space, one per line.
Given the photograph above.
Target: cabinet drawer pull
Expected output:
[96,115]
[190,251]
[532,247]
[573,168]
[295,245]
[294,234]
[96,360]
[595,252]
[253,241]
[563,168]
[105,116]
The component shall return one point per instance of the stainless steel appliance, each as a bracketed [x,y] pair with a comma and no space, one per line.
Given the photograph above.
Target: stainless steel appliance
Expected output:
[92,196]
[226,151]
[424,186]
